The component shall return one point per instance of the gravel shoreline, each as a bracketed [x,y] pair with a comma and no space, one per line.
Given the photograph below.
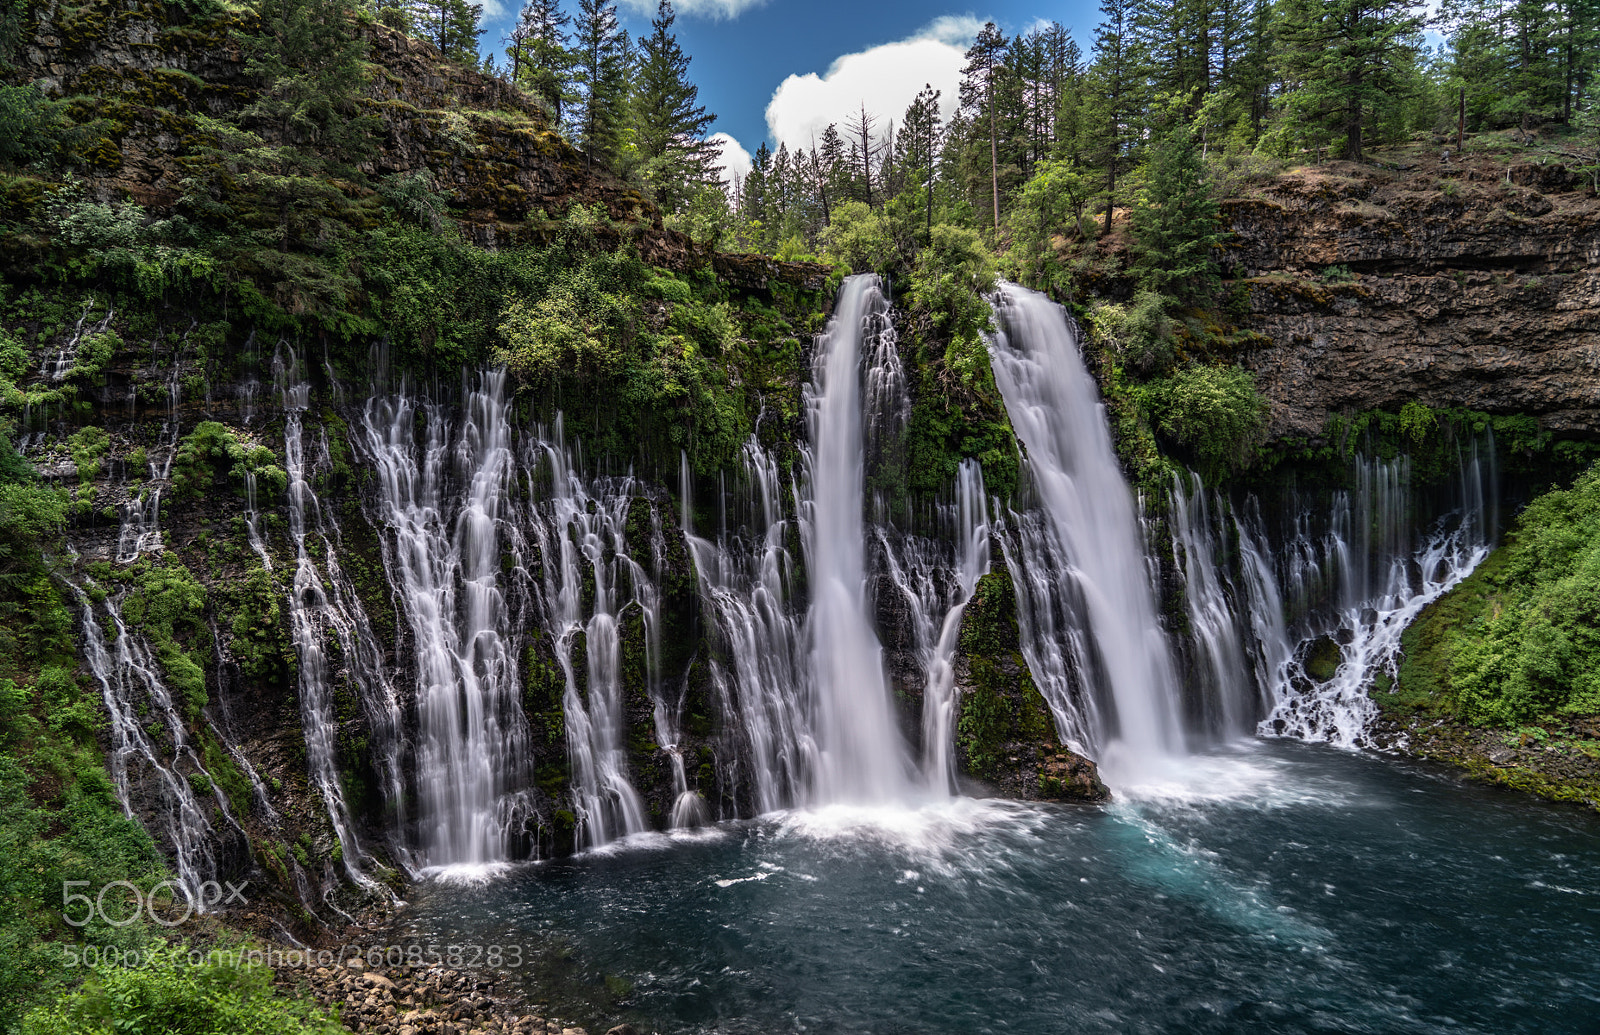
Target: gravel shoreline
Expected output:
[423,1000]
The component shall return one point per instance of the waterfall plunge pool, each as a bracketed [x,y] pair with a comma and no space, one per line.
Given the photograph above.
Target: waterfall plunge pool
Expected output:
[1278,887]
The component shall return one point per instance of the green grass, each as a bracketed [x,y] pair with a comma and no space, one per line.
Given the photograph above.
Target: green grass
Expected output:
[1518,642]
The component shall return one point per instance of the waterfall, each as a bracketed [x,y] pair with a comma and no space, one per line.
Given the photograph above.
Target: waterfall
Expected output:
[757,665]
[862,755]
[937,579]
[442,554]
[1386,575]
[1224,672]
[584,532]
[323,608]
[140,709]
[1091,633]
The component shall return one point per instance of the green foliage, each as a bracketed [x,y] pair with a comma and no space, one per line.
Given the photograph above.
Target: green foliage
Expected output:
[260,639]
[571,332]
[949,279]
[1138,333]
[1216,414]
[1417,421]
[170,994]
[311,66]
[1002,705]
[1051,204]
[1175,225]
[861,238]
[1518,643]
[213,449]
[31,125]
[167,605]
[86,446]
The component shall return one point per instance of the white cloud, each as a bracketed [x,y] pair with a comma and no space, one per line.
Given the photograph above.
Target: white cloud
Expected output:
[886,78]
[958,30]
[716,10]
[734,158]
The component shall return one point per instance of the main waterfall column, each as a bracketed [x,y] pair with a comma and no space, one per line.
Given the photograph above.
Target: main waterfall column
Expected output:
[861,755]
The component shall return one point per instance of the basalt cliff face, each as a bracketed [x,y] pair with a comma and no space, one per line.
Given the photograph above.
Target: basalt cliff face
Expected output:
[1470,284]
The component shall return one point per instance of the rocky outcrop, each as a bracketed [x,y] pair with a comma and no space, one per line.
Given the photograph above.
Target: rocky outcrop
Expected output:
[1005,736]
[1473,285]
[148,73]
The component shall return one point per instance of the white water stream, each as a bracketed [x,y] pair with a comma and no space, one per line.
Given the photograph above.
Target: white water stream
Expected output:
[1091,633]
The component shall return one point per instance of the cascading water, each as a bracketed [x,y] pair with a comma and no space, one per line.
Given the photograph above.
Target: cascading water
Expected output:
[1091,633]
[131,687]
[758,665]
[862,755]
[1384,576]
[1228,654]
[583,532]
[323,608]
[937,587]
[472,755]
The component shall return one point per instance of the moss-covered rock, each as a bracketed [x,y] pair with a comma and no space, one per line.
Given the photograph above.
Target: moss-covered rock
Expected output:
[1005,734]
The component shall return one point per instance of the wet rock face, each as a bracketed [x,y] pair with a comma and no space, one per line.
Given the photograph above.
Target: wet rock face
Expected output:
[1005,735]
[1469,286]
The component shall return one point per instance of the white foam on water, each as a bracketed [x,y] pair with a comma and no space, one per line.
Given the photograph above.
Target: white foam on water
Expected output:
[466,874]
[1243,775]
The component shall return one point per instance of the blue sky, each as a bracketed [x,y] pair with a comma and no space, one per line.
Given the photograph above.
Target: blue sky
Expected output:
[780,69]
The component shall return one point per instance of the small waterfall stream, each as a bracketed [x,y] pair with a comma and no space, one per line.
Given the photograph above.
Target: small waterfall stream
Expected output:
[1384,573]
[937,577]
[325,611]
[443,555]
[583,533]
[158,744]
[758,666]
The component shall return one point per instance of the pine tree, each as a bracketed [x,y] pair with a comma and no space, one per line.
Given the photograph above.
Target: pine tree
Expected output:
[1118,87]
[600,67]
[828,160]
[672,127]
[452,26]
[978,81]
[538,53]
[863,148]
[919,145]
[1348,55]
[313,67]
[1175,226]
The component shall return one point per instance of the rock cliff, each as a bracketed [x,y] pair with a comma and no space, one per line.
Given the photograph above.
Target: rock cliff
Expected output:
[1472,284]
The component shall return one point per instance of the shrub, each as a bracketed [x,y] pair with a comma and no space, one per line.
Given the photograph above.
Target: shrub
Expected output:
[170,994]
[1138,333]
[1531,651]
[87,446]
[860,237]
[1215,413]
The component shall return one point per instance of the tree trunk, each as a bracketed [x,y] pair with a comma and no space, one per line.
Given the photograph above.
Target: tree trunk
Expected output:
[994,158]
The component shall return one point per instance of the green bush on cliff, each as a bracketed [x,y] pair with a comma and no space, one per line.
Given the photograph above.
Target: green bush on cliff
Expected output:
[1216,414]
[212,449]
[1519,642]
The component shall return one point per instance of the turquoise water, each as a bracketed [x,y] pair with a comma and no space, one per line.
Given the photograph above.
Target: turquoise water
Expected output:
[1278,888]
